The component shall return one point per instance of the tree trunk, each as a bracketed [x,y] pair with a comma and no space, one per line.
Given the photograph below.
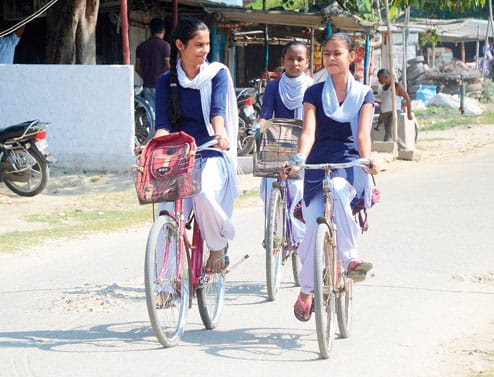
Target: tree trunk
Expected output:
[71,32]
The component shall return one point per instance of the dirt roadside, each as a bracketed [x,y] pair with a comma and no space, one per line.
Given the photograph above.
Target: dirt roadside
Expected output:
[66,188]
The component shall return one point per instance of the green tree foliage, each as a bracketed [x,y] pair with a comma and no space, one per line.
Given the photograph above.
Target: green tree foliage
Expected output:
[366,8]
[453,6]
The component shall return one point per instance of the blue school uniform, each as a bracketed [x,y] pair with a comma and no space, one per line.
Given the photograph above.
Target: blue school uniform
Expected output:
[334,142]
[272,103]
[191,115]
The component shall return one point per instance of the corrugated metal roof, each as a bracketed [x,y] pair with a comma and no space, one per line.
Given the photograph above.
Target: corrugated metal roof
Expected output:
[267,17]
[460,30]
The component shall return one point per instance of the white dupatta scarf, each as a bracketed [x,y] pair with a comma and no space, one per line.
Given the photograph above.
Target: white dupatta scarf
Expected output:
[349,111]
[292,90]
[203,83]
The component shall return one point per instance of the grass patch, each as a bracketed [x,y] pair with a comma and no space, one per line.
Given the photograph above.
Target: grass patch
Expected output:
[72,225]
[441,118]
[91,213]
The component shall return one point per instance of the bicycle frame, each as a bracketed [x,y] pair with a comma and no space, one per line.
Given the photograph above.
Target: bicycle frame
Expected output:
[289,244]
[327,188]
[328,219]
[192,250]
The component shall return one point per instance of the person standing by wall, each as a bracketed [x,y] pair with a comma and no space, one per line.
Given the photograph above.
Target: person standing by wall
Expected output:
[8,45]
[385,93]
[153,59]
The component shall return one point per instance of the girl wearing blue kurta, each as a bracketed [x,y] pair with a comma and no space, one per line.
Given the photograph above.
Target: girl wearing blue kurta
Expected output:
[199,98]
[283,99]
[337,124]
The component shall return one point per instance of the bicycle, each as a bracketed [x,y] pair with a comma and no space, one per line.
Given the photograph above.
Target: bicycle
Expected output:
[175,270]
[144,119]
[332,287]
[278,141]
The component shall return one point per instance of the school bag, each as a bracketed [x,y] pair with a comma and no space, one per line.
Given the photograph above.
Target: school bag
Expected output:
[168,169]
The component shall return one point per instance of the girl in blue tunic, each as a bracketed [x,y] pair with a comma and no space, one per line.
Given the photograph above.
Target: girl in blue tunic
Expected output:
[283,99]
[199,98]
[337,123]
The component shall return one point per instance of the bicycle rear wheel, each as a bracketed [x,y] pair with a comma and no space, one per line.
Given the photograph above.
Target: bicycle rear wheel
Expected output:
[166,281]
[210,295]
[296,266]
[344,308]
[275,232]
[324,296]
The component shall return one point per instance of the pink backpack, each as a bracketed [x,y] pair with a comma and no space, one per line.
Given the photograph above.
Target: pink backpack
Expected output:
[166,169]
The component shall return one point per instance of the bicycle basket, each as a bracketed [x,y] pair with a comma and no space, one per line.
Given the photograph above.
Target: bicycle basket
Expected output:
[278,143]
[168,172]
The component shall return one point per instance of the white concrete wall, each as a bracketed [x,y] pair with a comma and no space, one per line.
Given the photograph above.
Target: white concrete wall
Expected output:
[90,108]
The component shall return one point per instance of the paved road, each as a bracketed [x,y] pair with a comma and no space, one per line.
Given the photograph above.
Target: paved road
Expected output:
[77,308]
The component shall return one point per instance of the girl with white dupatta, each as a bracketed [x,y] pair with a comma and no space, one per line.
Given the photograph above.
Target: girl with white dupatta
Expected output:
[283,99]
[199,98]
[337,122]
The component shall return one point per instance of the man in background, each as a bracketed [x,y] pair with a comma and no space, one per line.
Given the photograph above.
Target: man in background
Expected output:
[385,94]
[8,45]
[153,59]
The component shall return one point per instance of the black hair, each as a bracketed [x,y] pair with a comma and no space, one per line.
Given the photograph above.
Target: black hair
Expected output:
[384,72]
[157,25]
[185,30]
[290,44]
[347,39]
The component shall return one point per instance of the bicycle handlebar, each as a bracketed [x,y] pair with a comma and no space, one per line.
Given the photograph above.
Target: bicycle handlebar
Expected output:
[363,162]
[207,145]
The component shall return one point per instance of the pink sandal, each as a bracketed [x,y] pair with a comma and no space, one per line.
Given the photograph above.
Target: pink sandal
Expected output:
[357,270]
[306,307]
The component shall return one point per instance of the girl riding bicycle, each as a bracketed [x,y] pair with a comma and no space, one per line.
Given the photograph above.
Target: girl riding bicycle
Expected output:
[337,122]
[283,99]
[199,98]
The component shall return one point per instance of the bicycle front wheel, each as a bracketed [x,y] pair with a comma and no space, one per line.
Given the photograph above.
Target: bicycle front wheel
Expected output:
[344,308]
[274,237]
[166,281]
[324,296]
[210,295]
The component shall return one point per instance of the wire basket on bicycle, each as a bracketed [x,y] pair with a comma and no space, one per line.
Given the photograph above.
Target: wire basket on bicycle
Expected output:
[169,169]
[277,143]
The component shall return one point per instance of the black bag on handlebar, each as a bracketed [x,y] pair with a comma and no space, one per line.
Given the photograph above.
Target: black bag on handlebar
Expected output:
[276,143]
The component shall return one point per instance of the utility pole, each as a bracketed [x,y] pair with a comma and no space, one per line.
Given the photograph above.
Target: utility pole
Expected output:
[490,28]
[393,78]
[124,19]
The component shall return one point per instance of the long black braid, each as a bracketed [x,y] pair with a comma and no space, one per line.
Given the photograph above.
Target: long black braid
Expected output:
[174,99]
[185,30]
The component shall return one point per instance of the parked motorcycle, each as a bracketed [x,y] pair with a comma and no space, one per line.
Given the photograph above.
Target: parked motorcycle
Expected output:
[259,85]
[247,120]
[24,157]
[144,119]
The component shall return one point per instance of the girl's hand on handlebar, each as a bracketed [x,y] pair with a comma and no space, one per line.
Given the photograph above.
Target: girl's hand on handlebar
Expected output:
[160,132]
[288,169]
[223,142]
[373,169]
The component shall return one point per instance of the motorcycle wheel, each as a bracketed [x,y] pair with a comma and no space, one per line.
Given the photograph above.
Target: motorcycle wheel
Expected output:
[143,123]
[245,146]
[38,170]
[245,143]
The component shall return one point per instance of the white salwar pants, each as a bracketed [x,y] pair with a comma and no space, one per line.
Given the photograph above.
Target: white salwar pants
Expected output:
[213,207]
[295,187]
[346,230]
